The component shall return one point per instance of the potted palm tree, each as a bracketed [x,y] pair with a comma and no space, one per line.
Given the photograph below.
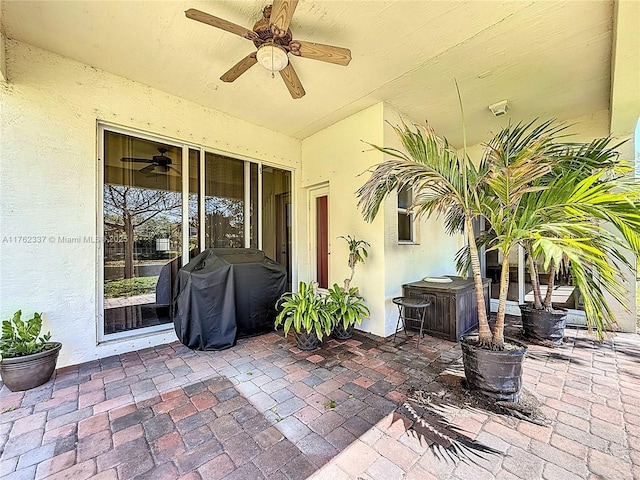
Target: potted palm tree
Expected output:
[305,311]
[346,304]
[541,320]
[28,358]
[500,190]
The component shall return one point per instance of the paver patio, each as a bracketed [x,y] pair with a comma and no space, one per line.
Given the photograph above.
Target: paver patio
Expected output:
[263,410]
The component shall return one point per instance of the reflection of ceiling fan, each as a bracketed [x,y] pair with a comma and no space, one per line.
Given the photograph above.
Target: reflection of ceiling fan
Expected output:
[158,164]
[272,38]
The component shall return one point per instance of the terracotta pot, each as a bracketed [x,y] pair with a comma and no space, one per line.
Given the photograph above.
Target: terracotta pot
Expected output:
[496,374]
[542,325]
[29,371]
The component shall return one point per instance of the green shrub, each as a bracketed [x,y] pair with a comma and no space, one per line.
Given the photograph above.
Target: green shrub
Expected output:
[129,287]
[305,310]
[20,338]
[346,306]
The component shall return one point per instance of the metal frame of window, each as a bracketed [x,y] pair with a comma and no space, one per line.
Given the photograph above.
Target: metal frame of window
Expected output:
[410,216]
[101,127]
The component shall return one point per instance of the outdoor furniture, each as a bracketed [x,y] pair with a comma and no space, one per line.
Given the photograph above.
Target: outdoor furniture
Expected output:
[224,294]
[419,308]
[454,309]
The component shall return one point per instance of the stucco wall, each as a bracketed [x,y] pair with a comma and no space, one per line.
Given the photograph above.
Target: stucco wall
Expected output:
[48,172]
[337,156]
[433,253]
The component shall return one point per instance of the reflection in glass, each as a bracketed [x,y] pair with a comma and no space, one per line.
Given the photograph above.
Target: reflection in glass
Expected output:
[253,168]
[276,217]
[404,198]
[224,202]
[142,229]
[194,203]
[405,229]
[563,293]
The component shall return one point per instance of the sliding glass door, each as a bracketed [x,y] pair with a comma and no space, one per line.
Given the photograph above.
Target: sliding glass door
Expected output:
[154,220]
[142,214]
[276,217]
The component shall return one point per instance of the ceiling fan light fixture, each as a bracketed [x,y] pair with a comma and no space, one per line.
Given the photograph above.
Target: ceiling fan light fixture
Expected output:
[272,57]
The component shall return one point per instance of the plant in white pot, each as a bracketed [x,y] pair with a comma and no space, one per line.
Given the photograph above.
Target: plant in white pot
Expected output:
[498,189]
[28,358]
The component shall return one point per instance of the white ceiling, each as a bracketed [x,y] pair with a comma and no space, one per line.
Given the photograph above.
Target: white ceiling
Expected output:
[550,59]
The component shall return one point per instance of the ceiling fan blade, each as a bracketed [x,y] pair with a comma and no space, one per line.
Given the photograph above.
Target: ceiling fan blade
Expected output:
[292,81]
[199,16]
[147,169]
[319,51]
[136,160]
[239,68]
[281,14]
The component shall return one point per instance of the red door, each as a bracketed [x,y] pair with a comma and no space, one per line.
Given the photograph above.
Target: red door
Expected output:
[322,241]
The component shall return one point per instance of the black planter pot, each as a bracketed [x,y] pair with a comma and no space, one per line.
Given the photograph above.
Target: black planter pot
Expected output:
[307,341]
[542,325]
[341,333]
[29,371]
[497,375]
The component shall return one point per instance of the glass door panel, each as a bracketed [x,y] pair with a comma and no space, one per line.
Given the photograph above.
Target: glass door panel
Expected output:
[142,215]
[277,217]
[194,203]
[224,202]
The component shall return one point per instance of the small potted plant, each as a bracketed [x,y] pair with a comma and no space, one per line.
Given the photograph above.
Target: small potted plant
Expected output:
[567,215]
[357,254]
[28,359]
[346,303]
[307,312]
[541,320]
[347,308]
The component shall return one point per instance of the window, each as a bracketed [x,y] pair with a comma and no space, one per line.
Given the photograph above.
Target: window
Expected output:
[142,225]
[405,219]
[154,220]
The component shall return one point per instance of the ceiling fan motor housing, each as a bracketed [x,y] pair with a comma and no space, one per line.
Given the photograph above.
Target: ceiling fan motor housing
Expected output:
[264,33]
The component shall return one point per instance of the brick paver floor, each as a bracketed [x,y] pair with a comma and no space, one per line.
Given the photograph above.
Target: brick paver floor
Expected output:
[264,409]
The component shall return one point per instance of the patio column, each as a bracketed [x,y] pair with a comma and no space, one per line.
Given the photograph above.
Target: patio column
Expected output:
[624,114]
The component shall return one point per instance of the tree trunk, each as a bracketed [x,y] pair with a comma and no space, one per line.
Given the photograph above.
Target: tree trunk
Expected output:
[352,265]
[535,282]
[498,330]
[550,285]
[484,332]
[128,247]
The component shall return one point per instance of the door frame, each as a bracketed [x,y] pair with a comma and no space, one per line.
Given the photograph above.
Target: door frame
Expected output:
[316,192]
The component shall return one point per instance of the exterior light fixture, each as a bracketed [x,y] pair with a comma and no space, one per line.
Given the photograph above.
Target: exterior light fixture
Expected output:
[272,57]
[499,108]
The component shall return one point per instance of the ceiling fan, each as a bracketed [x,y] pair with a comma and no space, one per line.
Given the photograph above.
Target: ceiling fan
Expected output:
[158,164]
[272,37]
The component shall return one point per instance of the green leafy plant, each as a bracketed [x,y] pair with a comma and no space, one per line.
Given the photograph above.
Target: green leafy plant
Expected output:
[305,311]
[330,405]
[128,287]
[357,254]
[20,338]
[567,216]
[346,306]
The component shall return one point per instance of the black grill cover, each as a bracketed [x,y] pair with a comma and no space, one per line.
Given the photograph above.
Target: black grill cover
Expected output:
[226,293]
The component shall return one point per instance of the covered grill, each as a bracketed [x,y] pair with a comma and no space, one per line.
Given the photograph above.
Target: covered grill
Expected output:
[226,293]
